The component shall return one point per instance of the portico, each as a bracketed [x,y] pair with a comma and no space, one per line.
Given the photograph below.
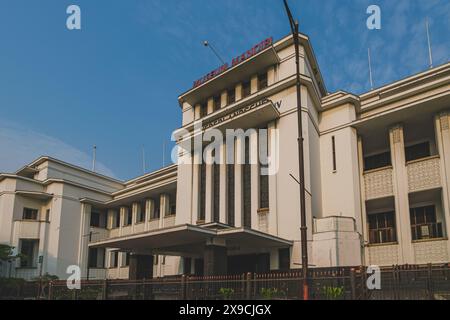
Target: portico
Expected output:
[210,244]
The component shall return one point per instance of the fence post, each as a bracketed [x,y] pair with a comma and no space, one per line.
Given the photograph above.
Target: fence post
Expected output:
[50,290]
[105,290]
[248,285]
[430,282]
[353,283]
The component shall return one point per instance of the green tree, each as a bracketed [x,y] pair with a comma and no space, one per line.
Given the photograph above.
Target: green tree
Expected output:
[7,253]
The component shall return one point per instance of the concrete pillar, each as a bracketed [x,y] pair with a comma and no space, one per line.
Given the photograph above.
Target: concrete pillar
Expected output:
[197,112]
[223,186]
[365,230]
[215,259]
[400,181]
[196,186]
[271,76]
[238,185]
[84,238]
[122,212]
[273,137]
[209,189]
[254,179]
[164,207]
[442,126]
[210,107]
[254,84]
[223,99]
[134,213]
[141,267]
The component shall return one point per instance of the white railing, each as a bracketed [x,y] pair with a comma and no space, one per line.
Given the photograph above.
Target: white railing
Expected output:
[378,183]
[424,174]
[169,221]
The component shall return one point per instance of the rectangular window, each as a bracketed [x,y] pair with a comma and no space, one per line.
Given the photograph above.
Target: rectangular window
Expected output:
[231,96]
[230,194]
[173,205]
[246,89]
[30,214]
[424,223]
[264,183]
[247,187]
[125,259]
[284,259]
[377,161]
[155,260]
[128,216]
[95,219]
[202,213]
[203,109]
[47,215]
[140,217]
[262,81]
[155,213]
[114,259]
[116,219]
[217,101]
[382,228]
[93,257]
[28,251]
[417,151]
[333,142]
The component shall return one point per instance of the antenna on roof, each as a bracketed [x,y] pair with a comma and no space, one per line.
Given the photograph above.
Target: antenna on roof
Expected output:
[94,157]
[143,160]
[370,69]
[207,44]
[430,53]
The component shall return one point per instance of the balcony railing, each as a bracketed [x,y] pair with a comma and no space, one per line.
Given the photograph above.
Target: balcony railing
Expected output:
[424,174]
[378,183]
[99,234]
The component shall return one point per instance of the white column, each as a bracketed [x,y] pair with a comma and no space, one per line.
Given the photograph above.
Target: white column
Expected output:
[254,179]
[223,99]
[134,213]
[363,202]
[400,177]
[209,190]
[163,208]
[273,137]
[122,219]
[196,187]
[84,238]
[442,126]
[271,76]
[254,84]
[223,186]
[210,107]
[238,185]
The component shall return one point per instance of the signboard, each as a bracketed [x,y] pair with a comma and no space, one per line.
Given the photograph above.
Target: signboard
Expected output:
[236,61]
[239,112]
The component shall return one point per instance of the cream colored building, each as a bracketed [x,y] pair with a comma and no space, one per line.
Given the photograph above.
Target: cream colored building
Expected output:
[377,174]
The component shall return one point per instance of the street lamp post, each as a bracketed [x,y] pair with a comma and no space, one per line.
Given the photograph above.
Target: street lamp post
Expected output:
[303,228]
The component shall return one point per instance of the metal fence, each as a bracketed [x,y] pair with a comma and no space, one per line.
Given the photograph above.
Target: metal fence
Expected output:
[425,282]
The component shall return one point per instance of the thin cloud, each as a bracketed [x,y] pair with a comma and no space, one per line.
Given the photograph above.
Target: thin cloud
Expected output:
[20,145]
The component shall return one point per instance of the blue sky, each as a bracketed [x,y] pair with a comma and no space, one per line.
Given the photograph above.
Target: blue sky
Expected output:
[115,83]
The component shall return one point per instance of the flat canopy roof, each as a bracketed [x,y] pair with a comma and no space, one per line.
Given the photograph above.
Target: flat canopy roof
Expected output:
[188,239]
[255,64]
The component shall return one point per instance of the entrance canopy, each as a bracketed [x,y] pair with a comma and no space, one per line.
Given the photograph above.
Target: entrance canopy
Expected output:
[190,240]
